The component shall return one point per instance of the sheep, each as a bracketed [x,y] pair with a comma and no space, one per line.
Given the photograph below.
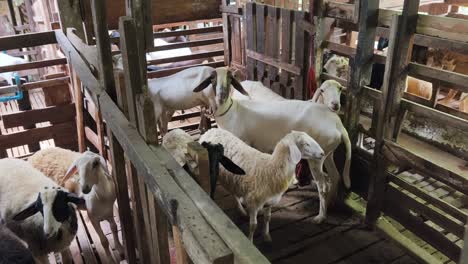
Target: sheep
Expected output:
[267,175]
[176,143]
[256,91]
[5,60]
[175,92]
[12,248]
[25,192]
[95,184]
[262,124]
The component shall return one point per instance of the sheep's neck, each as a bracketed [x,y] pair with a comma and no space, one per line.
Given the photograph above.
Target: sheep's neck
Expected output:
[224,108]
[104,188]
[280,159]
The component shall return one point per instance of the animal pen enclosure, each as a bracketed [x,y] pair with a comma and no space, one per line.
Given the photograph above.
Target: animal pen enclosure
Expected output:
[424,198]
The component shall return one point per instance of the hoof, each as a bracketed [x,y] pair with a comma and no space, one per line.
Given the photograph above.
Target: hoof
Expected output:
[318,219]
[267,238]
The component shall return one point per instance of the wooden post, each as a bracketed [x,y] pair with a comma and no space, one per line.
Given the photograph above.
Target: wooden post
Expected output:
[70,16]
[227,35]
[402,32]
[361,65]
[251,45]
[12,14]
[464,255]
[78,97]
[320,34]
[200,155]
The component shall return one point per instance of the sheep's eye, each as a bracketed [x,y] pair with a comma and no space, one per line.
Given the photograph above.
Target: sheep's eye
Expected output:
[95,164]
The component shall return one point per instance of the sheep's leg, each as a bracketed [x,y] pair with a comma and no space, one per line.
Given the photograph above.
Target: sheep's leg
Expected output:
[241,208]
[67,256]
[102,237]
[253,223]
[322,187]
[334,176]
[115,235]
[266,226]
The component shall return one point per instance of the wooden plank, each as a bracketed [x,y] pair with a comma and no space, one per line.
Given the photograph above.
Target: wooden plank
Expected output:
[287,17]
[192,31]
[444,206]
[227,33]
[417,226]
[291,68]
[272,41]
[166,72]
[251,32]
[85,243]
[34,135]
[91,136]
[260,39]
[188,44]
[200,155]
[194,56]
[457,2]
[56,114]
[32,65]
[181,254]
[405,157]
[361,65]
[340,10]
[458,81]
[300,57]
[88,52]
[27,40]
[71,16]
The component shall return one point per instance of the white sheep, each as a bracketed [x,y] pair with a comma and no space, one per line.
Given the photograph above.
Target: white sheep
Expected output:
[68,168]
[262,124]
[12,248]
[329,93]
[5,60]
[267,175]
[176,141]
[176,92]
[36,209]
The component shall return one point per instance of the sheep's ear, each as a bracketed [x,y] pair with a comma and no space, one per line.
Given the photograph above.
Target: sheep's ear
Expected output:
[231,166]
[73,198]
[236,84]
[294,153]
[70,172]
[28,212]
[205,83]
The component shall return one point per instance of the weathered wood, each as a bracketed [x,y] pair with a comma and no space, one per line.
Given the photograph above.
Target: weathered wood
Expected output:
[458,81]
[118,172]
[32,65]
[361,65]
[88,52]
[56,114]
[319,39]
[27,40]
[272,41]
[70,16]
[401,41]
[442,205]
[291,68]
[341,11]
[227,33]
[200,155]
[251,44]
[194,56]
[181,254]
[91,136]
[106,76]
[301,59]
[35,85]
[100,132]
[287,17]
[260,38]
[464,254]
[185,32]
[452,179]
[188,44]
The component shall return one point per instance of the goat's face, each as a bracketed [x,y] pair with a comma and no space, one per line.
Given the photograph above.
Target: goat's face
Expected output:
[90,167]
[305,146]
[330,93]
[337,66]
[53,204]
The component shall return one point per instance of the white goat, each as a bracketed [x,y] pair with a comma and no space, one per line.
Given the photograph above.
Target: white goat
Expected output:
[337,66]
[5,60]
[176,92]
[176,143]
[93,182]
[25,192]
[267,175]
[13,249]
[262,124]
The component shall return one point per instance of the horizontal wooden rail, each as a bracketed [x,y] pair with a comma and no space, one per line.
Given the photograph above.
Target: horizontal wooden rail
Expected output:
[341,11]
[458,81]
[32,65]
[166,72]
[35,135]
[188,44]
[194,56]
[27,40]
[159,179]
[35,85]
[54,114]
[274,62]
[194,31]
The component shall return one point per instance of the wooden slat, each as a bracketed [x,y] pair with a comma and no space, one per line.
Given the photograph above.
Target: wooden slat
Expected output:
[272,41]
[287,17]
[27,40]
[33,136]
[166,72]
[442,205]
[188,44]
[88,52]
[291,68]
[32,65]
[417,226]
[78,101]
[85,243]
[193,31]
[194,56]
[55,114]
[340,10]
[251,44]
[35,85]
[459,81]
[260,39]
[456,181]
[300,56]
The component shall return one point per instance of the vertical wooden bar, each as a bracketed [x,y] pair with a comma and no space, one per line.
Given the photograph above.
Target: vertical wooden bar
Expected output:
[181,255]
[100,132]
[320,34]
[118,171]
[200,155]
[24,105]
[70,17]
[399,50]
[12,13]
[227,35]
[106,75]
[79,110]
[464,254]
[300,57]
[250,27]
[272,44]
[260,21]
[287,17]
[361,65]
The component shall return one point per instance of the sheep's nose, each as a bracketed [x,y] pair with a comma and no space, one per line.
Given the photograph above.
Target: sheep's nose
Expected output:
[335,106]
[86,189]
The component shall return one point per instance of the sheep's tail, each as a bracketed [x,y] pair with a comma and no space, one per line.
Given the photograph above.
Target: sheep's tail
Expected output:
[347,165]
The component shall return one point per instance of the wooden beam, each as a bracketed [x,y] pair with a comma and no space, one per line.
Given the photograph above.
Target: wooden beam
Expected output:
[457,80]
[188,44]
[70,16]
[193,56]
[291,68]
[55,114]
[27,40]
[33,65]
[341,11]
[35,85]
[193,31]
